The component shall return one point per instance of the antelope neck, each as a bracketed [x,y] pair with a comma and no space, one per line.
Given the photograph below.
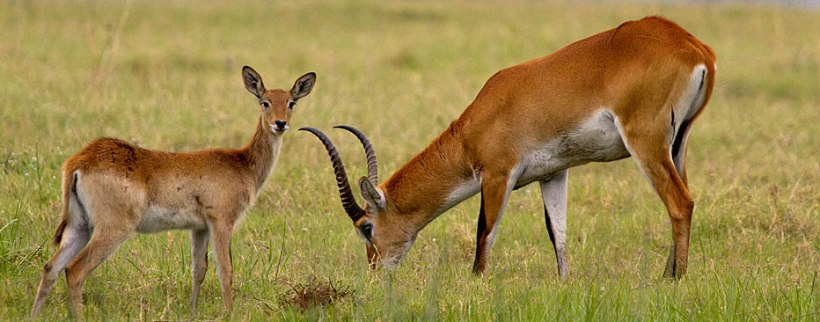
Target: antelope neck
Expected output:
[262,152]
[433,181]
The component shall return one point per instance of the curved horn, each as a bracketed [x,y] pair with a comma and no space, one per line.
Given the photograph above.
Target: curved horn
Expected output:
[348,200]
[372,164]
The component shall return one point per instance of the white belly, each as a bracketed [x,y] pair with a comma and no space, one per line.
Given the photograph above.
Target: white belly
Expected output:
[595,140]
[156,219]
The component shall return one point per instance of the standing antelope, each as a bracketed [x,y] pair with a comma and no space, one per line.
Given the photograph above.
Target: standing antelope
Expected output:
[633,90]
[112,189]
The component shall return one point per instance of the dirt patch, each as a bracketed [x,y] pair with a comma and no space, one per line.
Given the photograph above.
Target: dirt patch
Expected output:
[314,293]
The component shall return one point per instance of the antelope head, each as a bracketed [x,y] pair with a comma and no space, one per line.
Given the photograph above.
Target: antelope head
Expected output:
[277,105]
[386,236]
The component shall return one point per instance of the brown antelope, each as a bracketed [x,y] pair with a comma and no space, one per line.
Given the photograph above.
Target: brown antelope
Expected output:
[630,91]
[112,189]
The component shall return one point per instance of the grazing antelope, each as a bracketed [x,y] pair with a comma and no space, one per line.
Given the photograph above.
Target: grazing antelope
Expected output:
[630,91]
[112,189]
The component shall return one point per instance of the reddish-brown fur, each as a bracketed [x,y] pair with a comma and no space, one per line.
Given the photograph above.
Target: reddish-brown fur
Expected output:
[112,189]
[637,72]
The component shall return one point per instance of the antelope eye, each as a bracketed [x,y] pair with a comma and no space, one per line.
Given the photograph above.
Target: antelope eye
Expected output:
[291,104]
[367,230]
[266,105]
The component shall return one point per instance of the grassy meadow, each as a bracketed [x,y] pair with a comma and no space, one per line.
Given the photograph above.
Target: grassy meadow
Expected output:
[167,76]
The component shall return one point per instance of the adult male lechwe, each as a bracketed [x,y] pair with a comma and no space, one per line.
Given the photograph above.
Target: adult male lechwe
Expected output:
[112,189]
[632,90]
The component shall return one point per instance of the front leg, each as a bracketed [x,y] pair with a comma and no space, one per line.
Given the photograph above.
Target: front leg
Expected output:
[494,193]
[554,194]
[221,239]
[199,263]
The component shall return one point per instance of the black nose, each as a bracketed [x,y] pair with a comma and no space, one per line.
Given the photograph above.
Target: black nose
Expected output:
[280,123]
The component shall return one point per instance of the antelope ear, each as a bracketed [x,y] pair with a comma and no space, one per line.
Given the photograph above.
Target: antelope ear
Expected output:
[303,86]
[372,194]
[253,82]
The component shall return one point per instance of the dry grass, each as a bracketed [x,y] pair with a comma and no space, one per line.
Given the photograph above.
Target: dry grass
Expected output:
[314,293]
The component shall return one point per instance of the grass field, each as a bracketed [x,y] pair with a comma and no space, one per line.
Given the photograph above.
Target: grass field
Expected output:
[168,77]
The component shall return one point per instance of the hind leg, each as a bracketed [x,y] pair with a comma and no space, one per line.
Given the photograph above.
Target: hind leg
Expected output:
[104,241]
[680,206]
[679,151]
[75,237]
[679,159]
[650,149]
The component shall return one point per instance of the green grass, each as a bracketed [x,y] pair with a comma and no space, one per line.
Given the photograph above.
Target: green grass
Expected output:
[168,77]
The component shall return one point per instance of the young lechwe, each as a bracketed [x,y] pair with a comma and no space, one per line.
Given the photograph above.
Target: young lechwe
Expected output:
[112,189]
